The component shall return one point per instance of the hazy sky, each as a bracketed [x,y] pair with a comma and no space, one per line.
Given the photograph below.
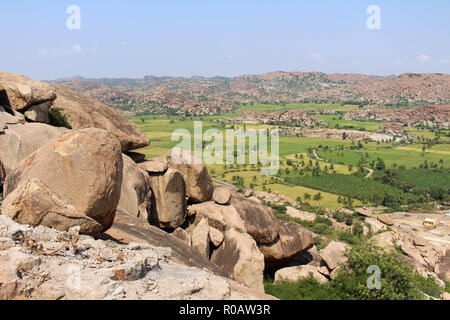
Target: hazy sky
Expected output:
[183,38]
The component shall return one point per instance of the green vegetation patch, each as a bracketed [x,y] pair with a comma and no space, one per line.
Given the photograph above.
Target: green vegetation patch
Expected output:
[57,119]
[397,280]
[366,190]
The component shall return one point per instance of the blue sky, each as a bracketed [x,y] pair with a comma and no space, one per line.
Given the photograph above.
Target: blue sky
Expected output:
[183,38]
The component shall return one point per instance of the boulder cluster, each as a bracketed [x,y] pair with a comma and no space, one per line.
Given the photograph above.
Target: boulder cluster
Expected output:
[86,177]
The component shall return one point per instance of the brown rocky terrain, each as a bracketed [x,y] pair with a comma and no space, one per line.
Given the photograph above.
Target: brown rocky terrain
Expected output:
[79,182]
[131,228]
[290,117]
[219,95]
[434,116]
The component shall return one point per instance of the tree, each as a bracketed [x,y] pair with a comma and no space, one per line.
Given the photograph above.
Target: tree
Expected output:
[379,165]
[317,197]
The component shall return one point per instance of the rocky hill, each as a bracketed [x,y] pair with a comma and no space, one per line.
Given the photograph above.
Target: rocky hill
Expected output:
[70,171]
[434,116]
[79,207]
[218,95]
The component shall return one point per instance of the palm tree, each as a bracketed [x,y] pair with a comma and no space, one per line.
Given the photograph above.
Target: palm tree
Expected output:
[317,198]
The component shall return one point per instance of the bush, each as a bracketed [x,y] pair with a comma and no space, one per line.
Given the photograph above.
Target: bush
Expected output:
[349,220]
[358,229]
[348,237]
[320,243]
[397,279]
[398,282]
[57,119]
[303,289]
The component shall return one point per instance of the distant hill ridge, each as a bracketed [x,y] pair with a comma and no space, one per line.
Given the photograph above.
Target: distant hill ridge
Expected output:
[199,95]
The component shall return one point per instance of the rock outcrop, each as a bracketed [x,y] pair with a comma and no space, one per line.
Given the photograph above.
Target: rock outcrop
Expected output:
[128,229]
[302,215]
[293,274]
[135,194]
[84,112]
[93,169]
[21,140]
[216,236]
[334,254]
[42,263]
[259,220]
[38,112]
[199,186]
[293,239]
[201,239]
[34,203]
[20,92]
[220,217]
[86,181]
[221,195]
[240,258]
[386,220]
[155,165]
[168,209]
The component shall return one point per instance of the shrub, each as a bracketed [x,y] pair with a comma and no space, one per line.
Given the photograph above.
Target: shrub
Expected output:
[57,119]
[349,220]
[303,289]
[348,237]
[358,229]
[320,243]
[397,279]
[398,282]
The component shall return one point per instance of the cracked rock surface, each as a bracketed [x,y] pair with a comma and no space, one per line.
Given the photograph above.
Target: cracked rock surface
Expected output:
[43,263]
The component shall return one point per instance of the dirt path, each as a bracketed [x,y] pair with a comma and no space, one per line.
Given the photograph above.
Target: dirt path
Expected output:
[223,182]
[370,173]
[316,156]
[368,169]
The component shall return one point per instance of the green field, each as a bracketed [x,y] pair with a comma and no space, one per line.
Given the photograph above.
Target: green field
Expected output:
[410,156]
[260,107]
[340,153]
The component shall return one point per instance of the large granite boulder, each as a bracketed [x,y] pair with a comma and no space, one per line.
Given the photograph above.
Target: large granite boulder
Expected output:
[168,208]
[222,195]
[240,258]
[155,165]
[386,220]
[20,140]
[216,236]
[33,203]
[259,220]
[293,274]
[293,239]
[20,92]
[38,112]
[82,168]
[199,186]
[84,112]
[135,195]
[201,239]
[334,254]
[219,217]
